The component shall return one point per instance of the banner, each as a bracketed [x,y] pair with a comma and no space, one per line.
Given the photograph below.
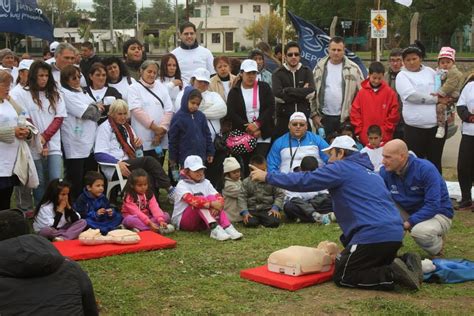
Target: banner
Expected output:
[24,17]
[314,44]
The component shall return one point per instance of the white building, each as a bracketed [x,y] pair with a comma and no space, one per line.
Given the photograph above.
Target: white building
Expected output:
[226,21]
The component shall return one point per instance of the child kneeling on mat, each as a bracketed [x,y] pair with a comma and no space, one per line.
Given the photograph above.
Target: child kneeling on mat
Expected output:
[140,208]
[198,205]
[94,207]
[54,217]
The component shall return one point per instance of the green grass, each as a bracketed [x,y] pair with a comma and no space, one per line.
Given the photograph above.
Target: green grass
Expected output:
[201,276]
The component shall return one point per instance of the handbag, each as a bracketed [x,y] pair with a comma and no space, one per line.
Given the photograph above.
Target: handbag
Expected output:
[219,140]
[240,143]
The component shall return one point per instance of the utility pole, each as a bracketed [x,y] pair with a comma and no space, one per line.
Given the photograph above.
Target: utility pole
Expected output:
[176,25]
[205,26]
[111,26]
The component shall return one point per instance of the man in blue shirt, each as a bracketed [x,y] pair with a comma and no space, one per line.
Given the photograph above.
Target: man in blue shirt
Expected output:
[372,229]
[421,193]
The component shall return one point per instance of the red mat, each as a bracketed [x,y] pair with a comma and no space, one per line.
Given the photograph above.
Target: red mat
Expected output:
[283,281]
[149,241]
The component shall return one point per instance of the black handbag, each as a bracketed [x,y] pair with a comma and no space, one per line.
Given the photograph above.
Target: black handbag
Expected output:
[219,140]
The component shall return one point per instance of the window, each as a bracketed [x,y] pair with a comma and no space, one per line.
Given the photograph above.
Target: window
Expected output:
[224,10]
[241,8]
[197,13]
[256,8]
[216,38]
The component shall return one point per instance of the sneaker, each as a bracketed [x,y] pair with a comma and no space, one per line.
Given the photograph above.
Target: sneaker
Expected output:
[168,230]
[58,239]
[413,262]
[404,276]
[464,206]
[317,217]
[171,195]
[440,132]
[219,233]
[332,216]
[233,233]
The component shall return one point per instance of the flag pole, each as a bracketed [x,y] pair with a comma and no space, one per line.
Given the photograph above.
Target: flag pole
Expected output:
[284,29]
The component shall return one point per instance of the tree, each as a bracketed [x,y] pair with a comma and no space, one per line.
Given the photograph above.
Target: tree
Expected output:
[274,23]
[62,11]
[160,11]
[124,12]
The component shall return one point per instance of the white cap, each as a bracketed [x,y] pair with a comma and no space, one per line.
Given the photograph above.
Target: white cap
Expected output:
[343,142]
[298,116]
[193,163]
[248,65]
[230,164]
[53,46]
[25,64]
[202,74]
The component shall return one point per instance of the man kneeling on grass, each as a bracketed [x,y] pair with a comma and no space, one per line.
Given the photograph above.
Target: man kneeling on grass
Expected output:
[371,225]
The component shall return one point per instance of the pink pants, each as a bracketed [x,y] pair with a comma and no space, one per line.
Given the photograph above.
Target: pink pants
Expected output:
[133,221]
[67,232]
[195,219]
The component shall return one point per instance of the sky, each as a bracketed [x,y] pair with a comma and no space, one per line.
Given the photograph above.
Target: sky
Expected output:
[87,4]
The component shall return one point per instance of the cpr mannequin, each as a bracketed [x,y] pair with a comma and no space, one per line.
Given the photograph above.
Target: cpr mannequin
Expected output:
[300,260]
[118,236]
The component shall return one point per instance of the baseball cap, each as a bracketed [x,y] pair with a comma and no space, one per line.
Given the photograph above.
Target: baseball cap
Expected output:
[25,64]
[193,163]
[343,142]
[53,46]
[248,65]
[298,116]
[202,74]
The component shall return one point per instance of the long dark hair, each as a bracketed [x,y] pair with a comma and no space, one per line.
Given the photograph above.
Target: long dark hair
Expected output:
[132,180]
[51,91]
[164,68]
[115,60]
[52,193]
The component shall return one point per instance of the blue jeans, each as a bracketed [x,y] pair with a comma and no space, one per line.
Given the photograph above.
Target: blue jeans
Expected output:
[48,168]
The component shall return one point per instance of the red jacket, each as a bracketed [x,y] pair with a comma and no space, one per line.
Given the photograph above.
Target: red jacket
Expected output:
[375,108]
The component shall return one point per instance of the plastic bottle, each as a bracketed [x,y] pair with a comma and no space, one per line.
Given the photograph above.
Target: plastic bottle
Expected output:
[21,120]
[437,84]
[321,132]
[175,173]
[139,152]
[159,151]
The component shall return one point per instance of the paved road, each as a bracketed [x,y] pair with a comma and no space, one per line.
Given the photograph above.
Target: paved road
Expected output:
[451,148]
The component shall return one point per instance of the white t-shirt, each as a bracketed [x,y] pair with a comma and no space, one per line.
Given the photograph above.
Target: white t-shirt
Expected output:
[42,117]
[333,91]
[8,118]
[99,94]
[139,97]
[467,99]
[375,156]
[252,114]
[46,216]
[186,186]
[409,82]
[173,90]
[226,85]
[122,87]
[77,135]
[191,59]
[214,108]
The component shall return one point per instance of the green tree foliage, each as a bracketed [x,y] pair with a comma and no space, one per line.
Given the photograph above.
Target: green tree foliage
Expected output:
[161,11]
[62,11]
[274,23]
[124,12]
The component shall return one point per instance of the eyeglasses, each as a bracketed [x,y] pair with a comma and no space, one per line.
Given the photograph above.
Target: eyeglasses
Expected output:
[298,124]
[293,54]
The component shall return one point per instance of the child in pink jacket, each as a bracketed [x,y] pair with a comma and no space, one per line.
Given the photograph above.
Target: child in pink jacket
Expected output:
[140,208]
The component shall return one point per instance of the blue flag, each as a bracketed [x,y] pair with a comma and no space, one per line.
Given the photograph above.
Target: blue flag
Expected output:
[314,44]
[24,17]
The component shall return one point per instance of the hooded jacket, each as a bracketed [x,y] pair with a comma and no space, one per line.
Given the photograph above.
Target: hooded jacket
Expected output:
[420,190]
[375,107]
[189,133]
[361,202]
[36,280]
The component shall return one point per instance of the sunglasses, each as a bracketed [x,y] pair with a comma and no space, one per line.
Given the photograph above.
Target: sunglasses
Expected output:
[293,54]
[298,124]
[75,77]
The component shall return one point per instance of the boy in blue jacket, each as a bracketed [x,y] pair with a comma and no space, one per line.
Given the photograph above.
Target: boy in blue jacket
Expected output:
[189,133]
[94,207]
[372,229]
[417,187]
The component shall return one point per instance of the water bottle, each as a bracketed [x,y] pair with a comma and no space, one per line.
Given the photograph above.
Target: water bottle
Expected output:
[21,119]
[139,152]
[175,173]
[159,151]
[321,132]
[437,84]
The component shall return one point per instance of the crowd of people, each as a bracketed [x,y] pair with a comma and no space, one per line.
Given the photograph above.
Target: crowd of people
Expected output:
[245,143]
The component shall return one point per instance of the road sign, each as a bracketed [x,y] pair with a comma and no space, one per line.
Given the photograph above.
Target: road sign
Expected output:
[378,22]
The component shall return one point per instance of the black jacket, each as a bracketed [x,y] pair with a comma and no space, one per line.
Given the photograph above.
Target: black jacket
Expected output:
[290,87]
[237,114]
[86,64]
[35,279]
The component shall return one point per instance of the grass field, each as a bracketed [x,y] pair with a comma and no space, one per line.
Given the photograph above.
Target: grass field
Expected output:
[201,276]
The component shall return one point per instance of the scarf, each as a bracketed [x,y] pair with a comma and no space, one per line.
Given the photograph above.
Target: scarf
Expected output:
[147,85]
[122,132]
[227,78]
[184,46]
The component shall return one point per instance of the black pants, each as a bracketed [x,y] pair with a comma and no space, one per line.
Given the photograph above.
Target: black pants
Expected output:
[5,197]
[299,208]
[75,170]
[158,177]
[424,143]
[466,166]
[366,266]
[262,218]
[331,123]
[215,170]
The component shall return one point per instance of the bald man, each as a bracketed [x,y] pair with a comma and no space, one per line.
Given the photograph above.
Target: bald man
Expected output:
[421,194]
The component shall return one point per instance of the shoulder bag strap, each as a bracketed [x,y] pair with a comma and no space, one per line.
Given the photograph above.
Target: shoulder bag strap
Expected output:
[149,90]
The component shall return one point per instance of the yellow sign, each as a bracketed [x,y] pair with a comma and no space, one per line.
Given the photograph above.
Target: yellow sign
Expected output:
[379,22]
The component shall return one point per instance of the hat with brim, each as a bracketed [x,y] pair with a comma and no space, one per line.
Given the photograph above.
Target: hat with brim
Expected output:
[342,142]
[202,74]
[249,65]
[298,116]
[193,163]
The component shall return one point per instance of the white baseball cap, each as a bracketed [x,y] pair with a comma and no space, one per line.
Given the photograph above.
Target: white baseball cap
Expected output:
[343,142]
[248,65]
[202,74]
[25,64]
[53,46]
[193,163]
[298,116]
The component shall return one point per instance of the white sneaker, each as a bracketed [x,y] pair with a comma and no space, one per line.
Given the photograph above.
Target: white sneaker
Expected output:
[332,216]
[440,132]
[168,230]
[219,233]
[233,233]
